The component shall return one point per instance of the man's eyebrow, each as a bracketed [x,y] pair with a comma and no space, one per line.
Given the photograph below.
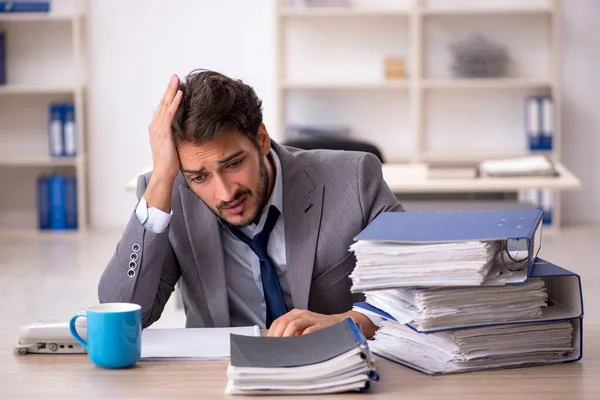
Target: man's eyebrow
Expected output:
[223,161]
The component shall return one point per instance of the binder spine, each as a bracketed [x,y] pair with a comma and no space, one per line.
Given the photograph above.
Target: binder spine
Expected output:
[547,123]
[58,218]
[69,130]
[533,122]
[360,339]
[43,202]
[55,131]
[71,202]
[2,58]
[25,6]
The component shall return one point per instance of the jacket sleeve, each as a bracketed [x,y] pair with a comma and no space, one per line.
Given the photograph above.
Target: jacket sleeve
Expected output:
[143,270]
[375,196]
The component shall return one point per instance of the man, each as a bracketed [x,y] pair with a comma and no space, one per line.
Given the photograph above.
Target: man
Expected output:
[254,232]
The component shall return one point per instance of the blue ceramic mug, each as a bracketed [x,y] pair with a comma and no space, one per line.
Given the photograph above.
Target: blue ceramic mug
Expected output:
[114,334]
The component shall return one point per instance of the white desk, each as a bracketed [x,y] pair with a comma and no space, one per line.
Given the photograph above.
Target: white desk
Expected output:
[67,377]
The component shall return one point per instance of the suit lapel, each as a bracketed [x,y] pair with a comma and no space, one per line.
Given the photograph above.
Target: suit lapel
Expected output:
[205,241]
[302,206]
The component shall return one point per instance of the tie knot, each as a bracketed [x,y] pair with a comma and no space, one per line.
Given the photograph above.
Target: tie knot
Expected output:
[259,243]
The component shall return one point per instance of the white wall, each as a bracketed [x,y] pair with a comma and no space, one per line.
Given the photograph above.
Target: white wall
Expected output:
[581,111]
[135,46]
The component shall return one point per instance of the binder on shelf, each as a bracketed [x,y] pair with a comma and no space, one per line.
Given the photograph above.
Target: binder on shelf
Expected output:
[2,58]
[510,229]
[565,299]
[547,109]
[71,202]
[43,202]
[69,130]
[24,6]
[58,212]
[56,131]
[565,304]
[533,122]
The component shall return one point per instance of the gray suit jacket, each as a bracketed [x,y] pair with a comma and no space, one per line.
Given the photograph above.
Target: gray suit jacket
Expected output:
[328,198]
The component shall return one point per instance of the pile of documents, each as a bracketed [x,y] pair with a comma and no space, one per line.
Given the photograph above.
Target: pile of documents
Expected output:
[522,166]
[454,296]
[330,360]
[439,308]
[463,350]
[457,264]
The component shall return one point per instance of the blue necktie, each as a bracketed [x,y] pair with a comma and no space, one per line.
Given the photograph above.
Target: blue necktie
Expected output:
[272,289]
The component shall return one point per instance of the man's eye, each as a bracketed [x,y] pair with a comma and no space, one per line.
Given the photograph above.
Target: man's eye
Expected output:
[234,164]
[198,179]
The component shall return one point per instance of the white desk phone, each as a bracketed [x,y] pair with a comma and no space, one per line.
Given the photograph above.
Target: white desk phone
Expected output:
[50,337]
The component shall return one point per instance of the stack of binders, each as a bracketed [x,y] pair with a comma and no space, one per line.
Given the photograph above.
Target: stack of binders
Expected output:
[496,306]
[331,360]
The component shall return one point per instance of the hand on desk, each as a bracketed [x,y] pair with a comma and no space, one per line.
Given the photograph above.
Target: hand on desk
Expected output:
[300,322]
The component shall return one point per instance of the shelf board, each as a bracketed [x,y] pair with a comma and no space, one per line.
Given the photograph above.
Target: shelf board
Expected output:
[18,89]
[341,12]
[38,161]
[486,11]
[453,156]
[36,17]
[382,85]
[412,178]
[485,83]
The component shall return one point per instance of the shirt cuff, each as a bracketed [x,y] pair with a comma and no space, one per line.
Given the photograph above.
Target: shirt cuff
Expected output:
[374,317]
[153,219]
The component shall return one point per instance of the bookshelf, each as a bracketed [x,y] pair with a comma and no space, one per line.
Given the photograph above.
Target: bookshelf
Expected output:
[330,72]
[45,64]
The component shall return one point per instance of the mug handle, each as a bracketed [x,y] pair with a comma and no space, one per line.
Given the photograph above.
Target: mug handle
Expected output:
[74,331]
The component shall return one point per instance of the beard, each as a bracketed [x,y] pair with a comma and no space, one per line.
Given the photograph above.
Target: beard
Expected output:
[260,197]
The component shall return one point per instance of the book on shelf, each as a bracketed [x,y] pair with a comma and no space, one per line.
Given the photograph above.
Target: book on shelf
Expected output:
[24,6]
[62,130]
[57,202]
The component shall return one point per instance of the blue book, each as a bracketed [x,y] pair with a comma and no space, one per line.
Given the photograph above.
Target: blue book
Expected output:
[56,138]
[71,202]
[69,130]
[43,202]
[25,6]
[2,59]
[58,212]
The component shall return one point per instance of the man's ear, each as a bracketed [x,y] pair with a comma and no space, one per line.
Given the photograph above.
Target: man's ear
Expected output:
[264,140]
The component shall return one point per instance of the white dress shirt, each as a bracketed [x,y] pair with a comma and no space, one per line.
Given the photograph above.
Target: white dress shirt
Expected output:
[242,267]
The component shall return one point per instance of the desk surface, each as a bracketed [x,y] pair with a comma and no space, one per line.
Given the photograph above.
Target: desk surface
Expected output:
[74,377]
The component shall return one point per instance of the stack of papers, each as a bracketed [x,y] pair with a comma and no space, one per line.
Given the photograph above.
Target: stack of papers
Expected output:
[523,166]
[439,308]
[381,265]
[475,348]
[330,360]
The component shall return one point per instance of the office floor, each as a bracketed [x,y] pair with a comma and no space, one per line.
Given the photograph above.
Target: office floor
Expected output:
[50,277]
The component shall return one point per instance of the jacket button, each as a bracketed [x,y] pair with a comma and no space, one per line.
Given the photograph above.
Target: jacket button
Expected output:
[135,247]
[131,273]
[132,265]
[133,257]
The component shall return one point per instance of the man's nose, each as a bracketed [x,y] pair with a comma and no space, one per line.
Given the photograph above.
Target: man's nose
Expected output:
[225,190]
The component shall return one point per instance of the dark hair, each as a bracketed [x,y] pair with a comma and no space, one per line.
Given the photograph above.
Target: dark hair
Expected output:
[212,102]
